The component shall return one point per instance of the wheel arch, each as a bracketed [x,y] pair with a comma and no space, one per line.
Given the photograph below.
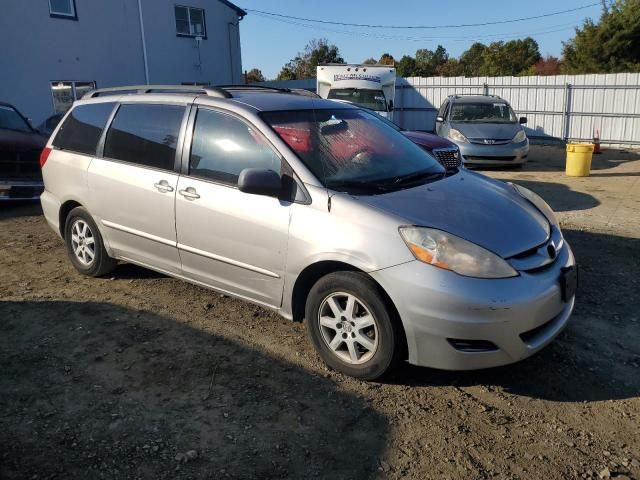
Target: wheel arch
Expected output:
[63,213]
[312,273]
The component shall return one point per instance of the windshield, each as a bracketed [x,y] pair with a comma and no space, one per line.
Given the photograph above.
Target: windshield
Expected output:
[350,150]
[383,119]
[482,112]
[373,99]
[11,120]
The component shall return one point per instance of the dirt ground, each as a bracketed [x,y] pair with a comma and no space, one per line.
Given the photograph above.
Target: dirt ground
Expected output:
[143,376]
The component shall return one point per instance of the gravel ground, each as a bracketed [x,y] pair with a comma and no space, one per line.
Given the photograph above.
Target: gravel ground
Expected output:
[143,376]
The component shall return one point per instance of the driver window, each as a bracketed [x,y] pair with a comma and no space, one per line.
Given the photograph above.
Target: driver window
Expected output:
[443,109]
[223,146]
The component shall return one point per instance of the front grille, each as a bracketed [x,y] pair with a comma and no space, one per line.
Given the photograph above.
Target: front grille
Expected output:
[20,164]
[472,346]
[492,158]
[490,141]
[449,158]
[541,256]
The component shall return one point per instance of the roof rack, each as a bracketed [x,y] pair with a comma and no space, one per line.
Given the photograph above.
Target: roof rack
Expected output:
[254,87]
[219,91]
[472,94]
[137,89]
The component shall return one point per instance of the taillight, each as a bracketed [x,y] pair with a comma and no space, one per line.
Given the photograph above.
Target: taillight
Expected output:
[44,155]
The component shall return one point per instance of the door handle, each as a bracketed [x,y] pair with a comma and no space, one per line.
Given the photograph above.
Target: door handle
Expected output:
[189,193]
[163,186]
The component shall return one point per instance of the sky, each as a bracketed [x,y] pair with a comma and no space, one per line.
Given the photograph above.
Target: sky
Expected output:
[268,43]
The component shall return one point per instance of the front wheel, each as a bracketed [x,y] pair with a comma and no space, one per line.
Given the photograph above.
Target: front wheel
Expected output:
[351,326]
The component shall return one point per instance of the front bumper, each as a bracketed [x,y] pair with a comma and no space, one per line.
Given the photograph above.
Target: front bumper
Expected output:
[442,312]
[494,155]
[20,189]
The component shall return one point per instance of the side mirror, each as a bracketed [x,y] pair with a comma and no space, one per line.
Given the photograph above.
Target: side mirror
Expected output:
[259,181]
[439,119]
[523,120]
[391,105]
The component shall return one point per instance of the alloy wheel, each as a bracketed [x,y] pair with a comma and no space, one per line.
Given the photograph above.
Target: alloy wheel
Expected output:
[83,242]
[348,328]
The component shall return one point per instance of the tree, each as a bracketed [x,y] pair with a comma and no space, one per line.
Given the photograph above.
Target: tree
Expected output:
[254,75]
[406,66]
[549,65]
[612,45]
[450,68]
[304,64]
[387,59]
[370,61]
[471,60]
[428,61]
[514,57]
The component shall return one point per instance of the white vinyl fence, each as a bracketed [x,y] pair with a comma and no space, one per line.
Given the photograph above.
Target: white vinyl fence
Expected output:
[564,107]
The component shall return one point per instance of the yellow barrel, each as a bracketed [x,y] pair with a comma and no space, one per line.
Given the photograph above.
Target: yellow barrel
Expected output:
[579,159]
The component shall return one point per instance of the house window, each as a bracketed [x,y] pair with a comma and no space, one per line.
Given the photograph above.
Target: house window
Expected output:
[63,9]
[190,22]
[65,92]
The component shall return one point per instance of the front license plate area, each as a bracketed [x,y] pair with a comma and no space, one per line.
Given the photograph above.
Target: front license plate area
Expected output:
[569,282]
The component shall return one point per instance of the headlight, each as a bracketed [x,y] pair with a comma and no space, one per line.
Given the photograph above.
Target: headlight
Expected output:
[519,137]
[456,136]
[538,202]
[443,250]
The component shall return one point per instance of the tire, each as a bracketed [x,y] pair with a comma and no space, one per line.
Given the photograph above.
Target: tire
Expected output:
[345,341]
[85,246]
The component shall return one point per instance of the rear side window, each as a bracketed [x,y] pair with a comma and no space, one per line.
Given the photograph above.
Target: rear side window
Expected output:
[82,128]
[223,146]
[145,135]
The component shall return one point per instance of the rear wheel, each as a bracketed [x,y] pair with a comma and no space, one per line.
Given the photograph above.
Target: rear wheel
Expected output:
[351,327]
[85,246]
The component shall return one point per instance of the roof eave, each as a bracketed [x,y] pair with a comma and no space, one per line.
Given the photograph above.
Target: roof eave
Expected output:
[241,13]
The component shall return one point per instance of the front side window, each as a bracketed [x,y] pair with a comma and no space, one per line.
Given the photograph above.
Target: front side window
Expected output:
[82,128]
[62,8]
[443,109]
[12,120]
[350,150]
[190,21]
[482,112]
[65,92]
[223,146]
[372,99]
[145,134]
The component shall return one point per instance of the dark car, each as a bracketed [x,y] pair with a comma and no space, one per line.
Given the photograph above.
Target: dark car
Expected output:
[49,125]
[20,148]
[446,152]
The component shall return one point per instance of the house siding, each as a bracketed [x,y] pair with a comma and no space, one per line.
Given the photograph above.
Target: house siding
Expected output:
[105,45]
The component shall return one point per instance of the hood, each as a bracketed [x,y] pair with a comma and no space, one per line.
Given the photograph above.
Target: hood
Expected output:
[14,141]
[486,212]
[428,141]
[496,131]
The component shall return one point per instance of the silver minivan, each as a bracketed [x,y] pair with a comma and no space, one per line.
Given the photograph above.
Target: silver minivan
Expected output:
[318,211]
[485,128]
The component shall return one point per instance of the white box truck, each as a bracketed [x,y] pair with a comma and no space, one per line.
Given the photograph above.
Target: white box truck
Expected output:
[370,86]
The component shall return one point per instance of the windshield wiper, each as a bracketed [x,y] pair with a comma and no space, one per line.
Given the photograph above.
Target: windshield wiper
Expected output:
[359,184]
[413,177]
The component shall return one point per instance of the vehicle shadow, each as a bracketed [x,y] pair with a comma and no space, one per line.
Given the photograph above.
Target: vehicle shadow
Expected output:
[596,358]
[551,157]
[98,390]
[20,208]
[129,271]
[559,196]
